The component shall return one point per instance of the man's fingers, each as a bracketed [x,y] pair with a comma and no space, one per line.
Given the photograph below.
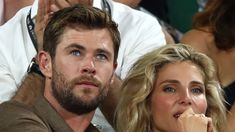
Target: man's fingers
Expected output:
[43,10]
[54,8]
[41,20]
[60,4]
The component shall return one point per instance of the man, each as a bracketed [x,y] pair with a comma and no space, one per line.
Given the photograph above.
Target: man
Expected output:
[140,33]
[78,61]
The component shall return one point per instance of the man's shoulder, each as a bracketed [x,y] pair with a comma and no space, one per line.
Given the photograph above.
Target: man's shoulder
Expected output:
[15,116]
[16,110]
[121,12]
[133,23]
[16,19]
[14,30]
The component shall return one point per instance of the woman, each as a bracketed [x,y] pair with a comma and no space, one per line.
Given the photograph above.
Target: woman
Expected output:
[213,33]
[171,88]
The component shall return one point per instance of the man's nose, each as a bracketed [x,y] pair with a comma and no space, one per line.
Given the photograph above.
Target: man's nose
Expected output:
[88,66]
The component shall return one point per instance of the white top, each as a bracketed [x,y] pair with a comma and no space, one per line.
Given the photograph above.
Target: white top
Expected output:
[140,33]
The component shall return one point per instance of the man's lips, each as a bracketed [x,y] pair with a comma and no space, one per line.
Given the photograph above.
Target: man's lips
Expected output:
[87,84]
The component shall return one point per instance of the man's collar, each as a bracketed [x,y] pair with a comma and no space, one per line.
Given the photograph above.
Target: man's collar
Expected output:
[97,3]
[34,9]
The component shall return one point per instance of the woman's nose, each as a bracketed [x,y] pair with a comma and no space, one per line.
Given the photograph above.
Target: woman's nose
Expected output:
[185,98]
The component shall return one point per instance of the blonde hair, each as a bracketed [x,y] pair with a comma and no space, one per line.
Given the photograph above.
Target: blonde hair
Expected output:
[133,114]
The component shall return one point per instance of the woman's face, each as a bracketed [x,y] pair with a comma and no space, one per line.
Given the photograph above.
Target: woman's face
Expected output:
[179,86]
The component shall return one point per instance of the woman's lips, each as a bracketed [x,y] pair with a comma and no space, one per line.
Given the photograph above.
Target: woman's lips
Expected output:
[177,115]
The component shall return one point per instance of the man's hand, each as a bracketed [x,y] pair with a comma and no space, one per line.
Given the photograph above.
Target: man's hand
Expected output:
[47,7]
[192,122]
[60,4]
[41,20]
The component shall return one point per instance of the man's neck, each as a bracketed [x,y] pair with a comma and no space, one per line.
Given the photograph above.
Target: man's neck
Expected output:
[79,123]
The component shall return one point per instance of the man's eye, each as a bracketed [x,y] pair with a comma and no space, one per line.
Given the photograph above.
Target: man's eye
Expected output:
[76,52]
[101,57]
[169,89]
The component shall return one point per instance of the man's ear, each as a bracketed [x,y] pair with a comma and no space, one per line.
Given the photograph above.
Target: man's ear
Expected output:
[45,63]
[114,69]
[115,66]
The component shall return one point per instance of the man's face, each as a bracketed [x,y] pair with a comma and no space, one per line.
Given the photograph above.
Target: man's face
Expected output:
[82,69]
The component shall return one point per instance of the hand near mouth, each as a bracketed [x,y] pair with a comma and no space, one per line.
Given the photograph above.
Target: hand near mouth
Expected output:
[192,122]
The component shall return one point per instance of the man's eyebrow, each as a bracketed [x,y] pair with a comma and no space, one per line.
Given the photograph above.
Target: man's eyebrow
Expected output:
[105,51]
[75,45]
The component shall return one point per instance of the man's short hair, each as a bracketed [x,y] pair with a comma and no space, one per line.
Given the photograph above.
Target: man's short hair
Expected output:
[78,17]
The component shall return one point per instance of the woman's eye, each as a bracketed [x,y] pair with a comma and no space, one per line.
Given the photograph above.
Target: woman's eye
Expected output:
[169,89]
[76,52]
[102,57]
[197,90]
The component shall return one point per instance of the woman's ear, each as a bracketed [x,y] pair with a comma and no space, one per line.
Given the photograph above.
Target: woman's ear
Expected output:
[45,63]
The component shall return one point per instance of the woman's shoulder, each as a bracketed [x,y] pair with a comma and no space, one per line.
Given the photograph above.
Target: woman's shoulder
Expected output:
[198,39]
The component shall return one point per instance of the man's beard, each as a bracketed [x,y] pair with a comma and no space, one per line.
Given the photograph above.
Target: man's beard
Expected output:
[62,90]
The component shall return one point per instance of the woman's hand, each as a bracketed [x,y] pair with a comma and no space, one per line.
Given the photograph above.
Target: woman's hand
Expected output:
[192,122]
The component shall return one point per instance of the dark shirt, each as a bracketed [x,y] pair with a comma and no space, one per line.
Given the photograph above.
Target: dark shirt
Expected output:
[229,95]
[39,117]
